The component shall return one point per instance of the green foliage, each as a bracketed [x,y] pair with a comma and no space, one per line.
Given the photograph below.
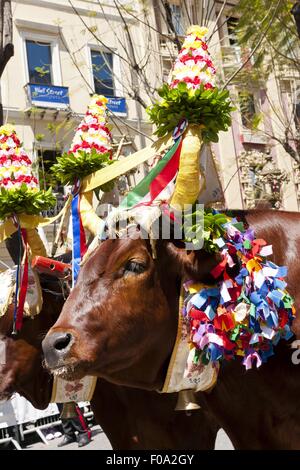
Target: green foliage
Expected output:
[280,39]
[24,200]
[209,231]
[70,167]
[42,70]
[39,137]
[208,108]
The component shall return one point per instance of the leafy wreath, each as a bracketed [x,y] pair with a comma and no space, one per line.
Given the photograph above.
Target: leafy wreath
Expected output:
[25,200]
[210,109]
[70,167]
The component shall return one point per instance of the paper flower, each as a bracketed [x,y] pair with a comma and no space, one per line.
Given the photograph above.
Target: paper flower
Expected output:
[91,147]
[191,93]
[15,165]
[193,65]
[19,189]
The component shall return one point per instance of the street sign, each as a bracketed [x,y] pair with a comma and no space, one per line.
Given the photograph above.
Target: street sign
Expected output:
[48,96]
[117,105]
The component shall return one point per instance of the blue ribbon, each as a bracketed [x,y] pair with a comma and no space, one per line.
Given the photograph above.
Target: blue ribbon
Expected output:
[17,277]
[76,258]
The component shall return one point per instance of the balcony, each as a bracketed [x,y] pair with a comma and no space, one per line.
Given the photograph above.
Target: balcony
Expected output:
[231,56]
[250,137]
[47,100]
[168,48]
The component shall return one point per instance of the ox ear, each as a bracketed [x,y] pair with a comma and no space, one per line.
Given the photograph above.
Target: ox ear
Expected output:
[194,264]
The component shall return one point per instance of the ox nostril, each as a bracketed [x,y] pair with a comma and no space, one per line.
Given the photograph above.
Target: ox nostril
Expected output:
[62,342]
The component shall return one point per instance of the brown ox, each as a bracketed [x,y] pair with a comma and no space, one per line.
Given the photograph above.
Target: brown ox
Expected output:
[120,323]
[131,419]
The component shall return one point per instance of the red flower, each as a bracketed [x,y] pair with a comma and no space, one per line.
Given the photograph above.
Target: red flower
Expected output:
[207,86]
[194,81]
[85,144]
[204,46]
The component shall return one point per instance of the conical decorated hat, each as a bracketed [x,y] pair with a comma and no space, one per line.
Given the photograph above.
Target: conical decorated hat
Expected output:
[191,93]
[91,148]
[193,65]
[15,164]
[19,188]
[93,131]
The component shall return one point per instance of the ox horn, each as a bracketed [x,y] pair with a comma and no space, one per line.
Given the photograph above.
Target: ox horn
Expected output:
[186,401]
[34,241]
[90,219]
[187,186]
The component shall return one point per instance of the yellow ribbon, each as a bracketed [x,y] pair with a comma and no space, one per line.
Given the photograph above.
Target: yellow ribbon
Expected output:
[187,186]
[30,222]
[121,167]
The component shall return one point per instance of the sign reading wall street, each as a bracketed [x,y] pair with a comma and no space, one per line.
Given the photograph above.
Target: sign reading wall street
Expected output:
[48,96]
[117,105]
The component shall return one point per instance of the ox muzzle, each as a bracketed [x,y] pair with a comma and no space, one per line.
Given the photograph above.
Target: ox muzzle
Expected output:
[56,347]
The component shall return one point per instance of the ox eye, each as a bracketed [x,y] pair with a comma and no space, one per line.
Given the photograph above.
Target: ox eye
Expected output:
[134,267]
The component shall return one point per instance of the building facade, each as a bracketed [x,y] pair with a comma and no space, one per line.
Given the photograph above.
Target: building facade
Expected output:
[67,49]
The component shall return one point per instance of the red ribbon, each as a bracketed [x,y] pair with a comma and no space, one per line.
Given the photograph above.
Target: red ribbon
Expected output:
[83,422]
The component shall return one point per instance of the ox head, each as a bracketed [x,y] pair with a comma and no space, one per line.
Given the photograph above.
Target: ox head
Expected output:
[21,368]
[120,320]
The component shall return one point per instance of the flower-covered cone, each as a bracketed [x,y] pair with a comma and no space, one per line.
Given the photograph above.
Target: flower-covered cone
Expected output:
[191,93]
[15,165]
[193,65]
[91,147]
[19,189]
[93,133]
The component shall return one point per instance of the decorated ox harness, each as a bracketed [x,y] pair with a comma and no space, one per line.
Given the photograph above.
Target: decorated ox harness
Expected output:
[244,314]
[248,310]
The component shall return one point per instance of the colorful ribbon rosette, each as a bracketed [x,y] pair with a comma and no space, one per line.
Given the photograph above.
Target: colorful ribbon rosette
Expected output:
[249,310]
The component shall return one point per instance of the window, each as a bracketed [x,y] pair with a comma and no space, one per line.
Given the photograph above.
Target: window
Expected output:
[46,159]
[247,107]
[102,66]
[177,19]
[231,27]
[39,62]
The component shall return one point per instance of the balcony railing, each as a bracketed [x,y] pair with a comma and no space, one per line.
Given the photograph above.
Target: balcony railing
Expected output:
[48,96]
[251,137]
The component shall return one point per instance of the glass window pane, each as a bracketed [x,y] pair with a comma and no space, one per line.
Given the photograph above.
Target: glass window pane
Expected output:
[102,63]
[39,62]
[232,24]
[247,107]
[177,19]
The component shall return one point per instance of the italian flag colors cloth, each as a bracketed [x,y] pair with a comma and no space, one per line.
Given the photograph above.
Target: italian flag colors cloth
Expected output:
[159,183]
